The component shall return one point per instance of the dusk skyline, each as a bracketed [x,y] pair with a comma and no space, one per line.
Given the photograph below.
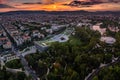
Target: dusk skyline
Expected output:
[59,39]
[58,5]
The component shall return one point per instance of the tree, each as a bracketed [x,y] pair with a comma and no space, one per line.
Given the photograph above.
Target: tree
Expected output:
[21,76]
[95,78]
[52,76]
[117,37]
[93,42]
[108,58]
[74,76]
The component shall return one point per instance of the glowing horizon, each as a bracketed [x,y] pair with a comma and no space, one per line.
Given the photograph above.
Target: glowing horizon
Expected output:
[15,5]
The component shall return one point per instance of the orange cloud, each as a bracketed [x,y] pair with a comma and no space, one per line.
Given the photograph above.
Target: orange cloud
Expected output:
[58,6]
[1,1]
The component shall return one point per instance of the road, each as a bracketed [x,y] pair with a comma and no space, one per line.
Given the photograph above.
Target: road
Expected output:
[23,60]
[96,72]
[26,67]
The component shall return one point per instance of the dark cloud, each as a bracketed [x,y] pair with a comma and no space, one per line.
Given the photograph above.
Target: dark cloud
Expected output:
[47,1]
[106,1]
[5,6]
[32,3]
[88,3]
[84,3]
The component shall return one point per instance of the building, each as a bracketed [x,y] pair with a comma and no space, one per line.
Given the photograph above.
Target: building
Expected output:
[41,46]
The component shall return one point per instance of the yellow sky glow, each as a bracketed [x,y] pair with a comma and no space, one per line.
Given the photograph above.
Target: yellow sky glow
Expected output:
[58,6]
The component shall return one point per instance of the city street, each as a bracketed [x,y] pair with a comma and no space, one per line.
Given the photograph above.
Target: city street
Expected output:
[23,60]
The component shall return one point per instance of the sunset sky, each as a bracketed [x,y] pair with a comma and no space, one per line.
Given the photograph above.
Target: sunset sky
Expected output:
[57,5]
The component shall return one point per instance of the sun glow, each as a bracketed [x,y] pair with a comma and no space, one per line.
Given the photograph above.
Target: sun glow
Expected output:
[54,6]
[60,6]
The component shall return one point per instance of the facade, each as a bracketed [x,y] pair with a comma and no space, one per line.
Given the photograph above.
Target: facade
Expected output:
[41,47]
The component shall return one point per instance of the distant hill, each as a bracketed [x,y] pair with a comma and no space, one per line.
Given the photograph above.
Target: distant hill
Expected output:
[60,12]
[46,12]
